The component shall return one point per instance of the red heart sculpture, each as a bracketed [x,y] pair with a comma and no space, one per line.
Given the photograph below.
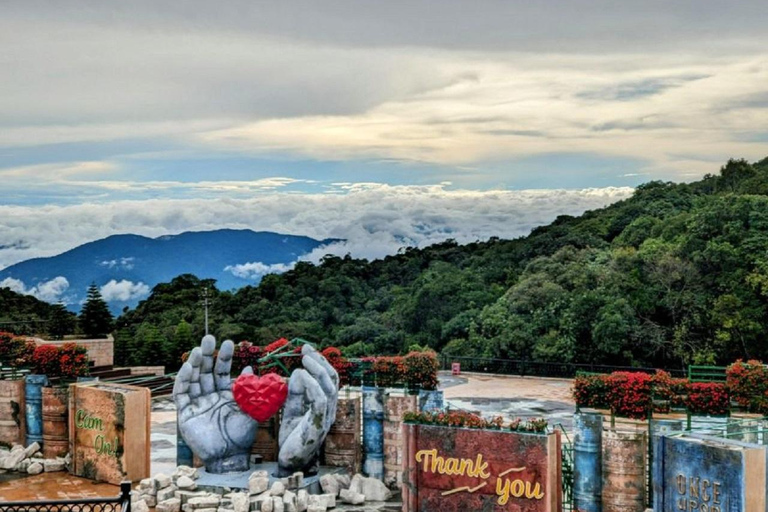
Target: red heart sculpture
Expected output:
[260,397]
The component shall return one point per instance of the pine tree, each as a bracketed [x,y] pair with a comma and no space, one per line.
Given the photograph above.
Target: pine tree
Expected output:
[61,322]
[95,319]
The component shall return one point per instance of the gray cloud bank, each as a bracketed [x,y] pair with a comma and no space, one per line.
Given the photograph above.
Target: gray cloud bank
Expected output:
[449,82]
[376,220]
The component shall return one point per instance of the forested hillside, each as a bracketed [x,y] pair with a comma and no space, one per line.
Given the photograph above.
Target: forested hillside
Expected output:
[24,314]
[676,274]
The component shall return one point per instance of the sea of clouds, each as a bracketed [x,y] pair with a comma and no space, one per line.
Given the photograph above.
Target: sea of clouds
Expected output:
[374,220]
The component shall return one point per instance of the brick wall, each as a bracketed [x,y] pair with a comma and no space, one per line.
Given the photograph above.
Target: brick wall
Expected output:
[395,408]
[101,351]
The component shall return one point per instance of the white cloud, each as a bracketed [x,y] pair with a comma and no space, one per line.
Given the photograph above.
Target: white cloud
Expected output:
[256,270]
[375,219]
[123,291]
[123,263]
[49,291]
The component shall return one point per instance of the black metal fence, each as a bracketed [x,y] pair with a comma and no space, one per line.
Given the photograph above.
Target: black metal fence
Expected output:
[539,369]
[120,503]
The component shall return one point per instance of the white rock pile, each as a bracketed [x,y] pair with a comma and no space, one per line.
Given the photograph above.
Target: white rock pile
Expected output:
[178,493]
[30,460]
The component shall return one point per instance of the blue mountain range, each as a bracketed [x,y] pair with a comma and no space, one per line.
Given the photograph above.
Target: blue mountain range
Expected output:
[126,267]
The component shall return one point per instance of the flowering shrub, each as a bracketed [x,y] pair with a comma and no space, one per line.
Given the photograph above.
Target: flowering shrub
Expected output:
[629,394]
[246,354]
[708,398]
[590,391]
[421,370]
[46,360]
[16,350]
[340,363]
[68,361]
[468,420]
[748,385]
[668,391]
[73,360]
[417,370]
[389,371]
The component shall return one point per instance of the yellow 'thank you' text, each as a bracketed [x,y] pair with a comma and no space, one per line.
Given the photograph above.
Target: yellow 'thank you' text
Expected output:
[506,487]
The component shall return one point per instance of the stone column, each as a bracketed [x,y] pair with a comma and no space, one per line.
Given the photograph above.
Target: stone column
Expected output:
[624,471]
[373,435]
[33,395]
[587,461]
[342,445]
[396,407]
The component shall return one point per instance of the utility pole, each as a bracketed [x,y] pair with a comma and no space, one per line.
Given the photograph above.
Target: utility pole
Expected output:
[205,304]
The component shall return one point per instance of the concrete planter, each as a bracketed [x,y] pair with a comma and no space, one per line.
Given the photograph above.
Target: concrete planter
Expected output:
[458,470]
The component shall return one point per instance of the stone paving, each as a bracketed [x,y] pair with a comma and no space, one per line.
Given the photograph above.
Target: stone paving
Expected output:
[488,395]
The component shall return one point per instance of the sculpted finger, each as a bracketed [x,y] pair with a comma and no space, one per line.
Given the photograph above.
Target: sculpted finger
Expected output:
[319,373]
[247,371]
[301,437]
[294,407]
[308,350]
[194,361]
[319,368]
[181,388]
[221,375]
[208,346]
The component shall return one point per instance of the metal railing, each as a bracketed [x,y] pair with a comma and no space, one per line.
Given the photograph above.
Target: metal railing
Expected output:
[120,503]
[526,368]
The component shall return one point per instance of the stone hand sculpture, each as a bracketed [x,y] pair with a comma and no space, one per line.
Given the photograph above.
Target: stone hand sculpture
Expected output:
[309,412]
[210,420]
[221,434]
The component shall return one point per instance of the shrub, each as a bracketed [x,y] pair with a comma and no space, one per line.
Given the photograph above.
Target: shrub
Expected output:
[421,370]
[15,350]
[389,371]
[73,361]
[246,354]
[590,391]
[464,419]
[748,385]
[68,361]
[629,394]
[708,398]
[46,360]
[669,390]
[340,363]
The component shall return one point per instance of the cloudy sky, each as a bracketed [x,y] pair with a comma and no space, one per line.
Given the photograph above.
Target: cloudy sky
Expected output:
[386,123]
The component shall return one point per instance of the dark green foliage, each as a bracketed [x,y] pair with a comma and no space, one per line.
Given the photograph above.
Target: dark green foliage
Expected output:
[26,315]
[676,274]
[61,323]
[95,319]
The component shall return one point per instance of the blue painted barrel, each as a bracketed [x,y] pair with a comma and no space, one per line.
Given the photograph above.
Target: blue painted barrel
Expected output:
[660,428]
[373,432]
[587,461]
[184,455]
[33,396]
[431,400]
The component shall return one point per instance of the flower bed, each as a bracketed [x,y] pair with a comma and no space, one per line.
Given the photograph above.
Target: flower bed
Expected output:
[631,394]
[468,420]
